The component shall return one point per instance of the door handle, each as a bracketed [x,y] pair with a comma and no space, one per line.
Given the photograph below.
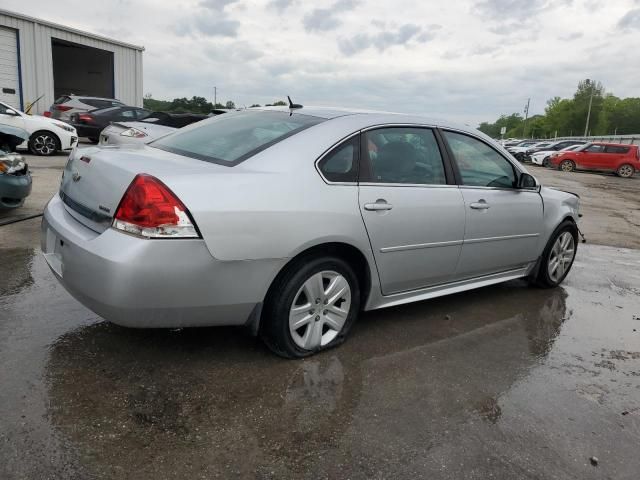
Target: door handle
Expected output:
[480,205]
[378,206]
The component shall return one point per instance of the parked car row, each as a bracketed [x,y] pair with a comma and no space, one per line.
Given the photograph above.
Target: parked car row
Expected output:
[623,160]
[109,121]
[570,155]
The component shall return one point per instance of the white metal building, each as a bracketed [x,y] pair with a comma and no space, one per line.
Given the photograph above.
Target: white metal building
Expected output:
[42,58]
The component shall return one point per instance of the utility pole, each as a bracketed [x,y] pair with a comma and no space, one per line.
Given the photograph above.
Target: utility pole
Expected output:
[586,127]
[215,96]
[526,115]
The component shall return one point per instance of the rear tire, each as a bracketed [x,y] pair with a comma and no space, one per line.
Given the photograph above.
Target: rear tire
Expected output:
[322,322]
[44,143]
[545,162]
[558,256]
[567,166]
[626,170]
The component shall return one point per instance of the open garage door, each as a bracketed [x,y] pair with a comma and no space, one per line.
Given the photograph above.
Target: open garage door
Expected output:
[9,70]
[81,70]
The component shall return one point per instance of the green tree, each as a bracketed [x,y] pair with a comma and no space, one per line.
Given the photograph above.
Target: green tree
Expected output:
[230,104]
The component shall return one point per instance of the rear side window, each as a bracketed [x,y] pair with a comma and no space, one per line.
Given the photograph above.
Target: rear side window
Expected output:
[479,164]
[341,164]
[403,155]
[101,103]
[616,149]
[233,137]
[62,99]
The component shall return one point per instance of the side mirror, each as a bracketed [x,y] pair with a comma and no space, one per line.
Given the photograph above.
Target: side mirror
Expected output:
[527,182]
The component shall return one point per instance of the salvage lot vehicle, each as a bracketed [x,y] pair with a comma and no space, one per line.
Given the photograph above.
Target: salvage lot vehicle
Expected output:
[67,105]
[11,137]
[621,159]
[542,157]
[15,181]
[46,136]
[553,146]
[90,124]
[155,125]
[292,221]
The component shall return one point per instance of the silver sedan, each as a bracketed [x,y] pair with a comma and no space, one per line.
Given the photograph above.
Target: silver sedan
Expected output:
[293,221]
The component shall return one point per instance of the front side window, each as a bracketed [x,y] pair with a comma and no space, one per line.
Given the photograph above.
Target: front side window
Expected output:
[403,155]
[341,164]
[594,149]
[479,164]
[233,137]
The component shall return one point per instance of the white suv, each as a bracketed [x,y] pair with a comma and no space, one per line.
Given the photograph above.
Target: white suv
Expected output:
[67,105]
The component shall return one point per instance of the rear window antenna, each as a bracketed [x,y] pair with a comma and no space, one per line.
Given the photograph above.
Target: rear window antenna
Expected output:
[292,105]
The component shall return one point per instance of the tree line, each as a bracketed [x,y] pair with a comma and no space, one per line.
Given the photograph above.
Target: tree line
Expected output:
[192,105]
[563,117]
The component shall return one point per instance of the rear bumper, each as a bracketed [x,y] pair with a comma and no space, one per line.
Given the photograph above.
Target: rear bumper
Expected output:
[13,190]
[151,283]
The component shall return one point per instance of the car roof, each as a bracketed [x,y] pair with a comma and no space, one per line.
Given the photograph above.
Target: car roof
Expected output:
[613,144]
[377,117]
[88,97]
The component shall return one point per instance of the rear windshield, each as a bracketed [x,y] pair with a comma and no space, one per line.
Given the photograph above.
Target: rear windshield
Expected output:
[233,137]
[62,99]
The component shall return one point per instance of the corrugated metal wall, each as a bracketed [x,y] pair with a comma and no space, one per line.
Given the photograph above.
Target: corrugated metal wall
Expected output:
[37,66]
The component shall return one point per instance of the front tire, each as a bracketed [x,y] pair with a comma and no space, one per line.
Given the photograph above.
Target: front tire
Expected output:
[44,143]
[558,256]
[625,171]
[567,166]
[310,307]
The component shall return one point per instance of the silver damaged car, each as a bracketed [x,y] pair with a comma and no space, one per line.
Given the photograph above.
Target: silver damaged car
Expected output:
[293,221]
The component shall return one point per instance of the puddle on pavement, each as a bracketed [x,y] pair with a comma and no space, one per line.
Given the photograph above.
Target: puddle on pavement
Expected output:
[501,381]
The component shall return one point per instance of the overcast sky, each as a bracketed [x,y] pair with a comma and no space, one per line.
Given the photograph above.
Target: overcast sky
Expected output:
[467,60]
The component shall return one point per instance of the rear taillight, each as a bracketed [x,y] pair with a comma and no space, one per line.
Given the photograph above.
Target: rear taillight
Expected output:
[149,209]
[63,108]
[47,114]
[85,117]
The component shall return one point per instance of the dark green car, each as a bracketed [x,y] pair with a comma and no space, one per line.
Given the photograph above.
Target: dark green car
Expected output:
[15,179]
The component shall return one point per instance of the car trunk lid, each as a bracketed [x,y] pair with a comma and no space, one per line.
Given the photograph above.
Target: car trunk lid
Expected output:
[95,179]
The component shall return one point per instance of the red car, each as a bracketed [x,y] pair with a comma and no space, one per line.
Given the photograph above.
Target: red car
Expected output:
[624,160]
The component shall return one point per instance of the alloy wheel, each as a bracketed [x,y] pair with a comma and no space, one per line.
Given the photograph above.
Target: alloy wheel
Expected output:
[319,310]
[626,171]
[44,144]
[567,166]
[561,256]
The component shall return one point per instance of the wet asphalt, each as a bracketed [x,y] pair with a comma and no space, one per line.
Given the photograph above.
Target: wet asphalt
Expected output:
[502,382]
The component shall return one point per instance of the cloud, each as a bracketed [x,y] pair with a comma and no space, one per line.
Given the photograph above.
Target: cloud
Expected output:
[217,5]
[523,10]
[210,20]
[387,38]
[630,20]
[571,36]
[280,5]
[325,19]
